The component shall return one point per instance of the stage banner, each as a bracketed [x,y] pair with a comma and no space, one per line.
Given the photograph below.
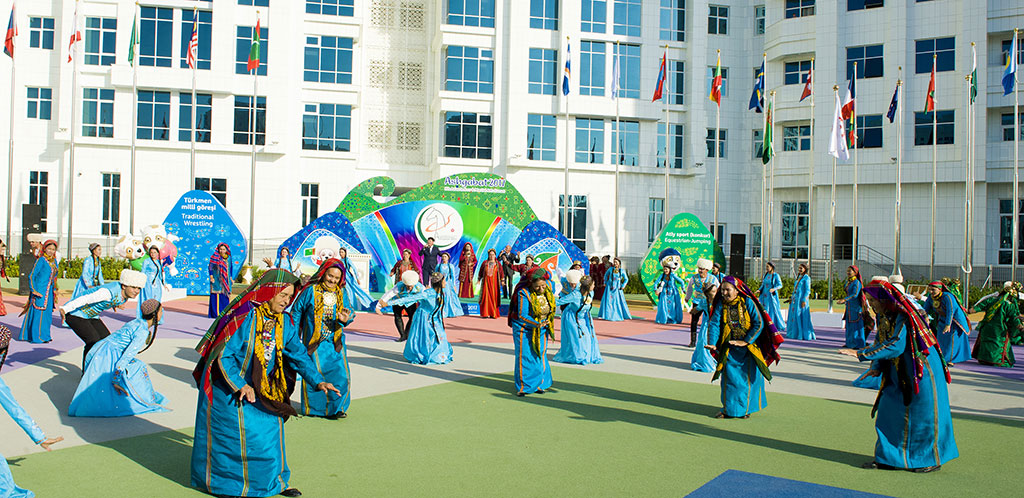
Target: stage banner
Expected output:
[200,222]
[550,249]
[684,233]
[321,240]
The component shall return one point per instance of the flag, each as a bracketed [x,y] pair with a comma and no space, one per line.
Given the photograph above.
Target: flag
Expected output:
[193,43]
[808,88]
[767,148]
[850,99]
[757,96]
[254,50]
[1010,73]
[615,73]
[76,35]
[716,83]
[894,104]
[837,142]
[12,31]
[929,100]
[660,85]
[974,74]
[134,42]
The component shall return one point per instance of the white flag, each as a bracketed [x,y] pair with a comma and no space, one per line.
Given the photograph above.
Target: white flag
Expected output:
[837,142]
[615,74]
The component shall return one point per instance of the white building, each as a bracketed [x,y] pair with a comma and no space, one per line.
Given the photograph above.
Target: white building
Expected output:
[420,89]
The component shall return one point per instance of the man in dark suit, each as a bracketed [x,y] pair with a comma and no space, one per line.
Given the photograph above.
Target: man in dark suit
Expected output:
[508,261]
[429,253]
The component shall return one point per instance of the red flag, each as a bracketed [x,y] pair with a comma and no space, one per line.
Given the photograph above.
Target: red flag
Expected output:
[716,83]
[254,50]
[76,35]
[808,89]
[12,31]
[660,85]
[929,101]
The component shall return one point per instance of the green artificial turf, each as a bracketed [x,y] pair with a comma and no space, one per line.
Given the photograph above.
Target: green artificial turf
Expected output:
[596,434]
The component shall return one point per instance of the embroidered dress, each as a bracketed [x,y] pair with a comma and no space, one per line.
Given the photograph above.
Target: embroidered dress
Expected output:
[947,312]
[92,276]
[701,360]
[613,305]
[855,335]
[670,306]
[39,307]
[997,329]
[798,319]
[770,300]
[579,342]
[467,268]
[154,288]
[490,289]
[452,305]
[7,487]
[316,312]
[741,368]
[532,320]
[427,343]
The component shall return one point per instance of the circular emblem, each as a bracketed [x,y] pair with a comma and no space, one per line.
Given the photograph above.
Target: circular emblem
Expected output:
[440,221]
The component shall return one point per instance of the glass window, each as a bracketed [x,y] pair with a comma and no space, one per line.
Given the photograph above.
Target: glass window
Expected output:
[799,8]
[759,19]
[923,127]
[864,4]
[37,190]
[244,123]
[626,19]
[655,217]
[469,69]
[796,138]
[1005,50]
[1006,122]
[592,68]
[944,51]
[205,34]
[1006,228]
[40,32]
[718,20]
[544,14]
[797,72]
[869,131]
[310,193]
[333,8]
[711,76]
[217,187]
[204,102]
[543,67]
[593,16]
[255,3]
[471,13]
[673,20]
[328,59]
[869,61]
[675,145]
[676,82]
[467,134]
[755,240]
[243,44]
[795,223]
[154,116]
[710,142]
[589,141]
[97,112]
[758,143]
[111,204]
[540,137]
[626,148]
[155,32]
[100,40]
[40,103]
[577,232]
[629,70]
[327,127]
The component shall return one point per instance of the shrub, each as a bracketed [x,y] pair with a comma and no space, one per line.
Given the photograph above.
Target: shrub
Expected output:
[635,285]
[72,268]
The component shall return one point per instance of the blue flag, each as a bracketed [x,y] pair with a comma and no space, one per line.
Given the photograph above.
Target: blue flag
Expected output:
[1010,73]
[567,72]
[757,97]
[894,104]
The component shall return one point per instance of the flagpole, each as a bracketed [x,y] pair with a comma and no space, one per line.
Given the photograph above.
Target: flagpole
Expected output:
[252,172]
[764,167]
[135,120]
[935,161]
[771,185]
[664,98]
[832,217]
[856,138]
[195,107]
[616,98]
[718,151]
[899,168]
[10,146]
[71,154]
[810,181]
[966,266]
[565,179]
[1016,173]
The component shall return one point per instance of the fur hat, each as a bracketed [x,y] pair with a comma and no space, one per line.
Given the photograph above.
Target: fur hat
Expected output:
[410,278]
[704,264]
[133,278]
[573,276]
[880,278]
[895,279]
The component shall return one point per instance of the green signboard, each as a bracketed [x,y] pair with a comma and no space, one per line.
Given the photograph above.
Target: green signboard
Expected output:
[686,234]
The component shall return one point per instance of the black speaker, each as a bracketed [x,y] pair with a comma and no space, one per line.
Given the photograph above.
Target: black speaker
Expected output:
[31,223]
[737,250]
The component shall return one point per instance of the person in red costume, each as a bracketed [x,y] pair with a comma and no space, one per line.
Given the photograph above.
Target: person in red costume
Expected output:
[490,286]
[467,268]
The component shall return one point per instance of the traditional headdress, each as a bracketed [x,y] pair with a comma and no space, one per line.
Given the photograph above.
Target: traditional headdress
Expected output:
[704,264]
[573,276]
[767,341]
[132,278]
[220,267]
[5,342]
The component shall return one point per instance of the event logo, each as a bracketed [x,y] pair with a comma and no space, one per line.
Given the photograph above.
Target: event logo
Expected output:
[440,221]
[548,261]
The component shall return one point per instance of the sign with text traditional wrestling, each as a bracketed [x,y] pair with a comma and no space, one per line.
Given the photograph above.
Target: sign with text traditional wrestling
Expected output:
[201,222]
[686,234]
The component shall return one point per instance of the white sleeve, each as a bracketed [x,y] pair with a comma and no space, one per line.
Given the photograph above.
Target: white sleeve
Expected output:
[97,296]
[389,294]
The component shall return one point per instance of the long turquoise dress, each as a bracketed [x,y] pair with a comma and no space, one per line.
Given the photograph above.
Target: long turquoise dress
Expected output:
[7,487]
[916,430]
[92,276]
[701,360]
[427,343]
[578,342]
[852,316]
[238,449]
[742,381]
[36,326]
[532,371]
[116,383]
[955,345]
[613,303]
[356,298]
[324,339]
[154,288]
[770,300]
[452,305]
[670,306]
[798,320]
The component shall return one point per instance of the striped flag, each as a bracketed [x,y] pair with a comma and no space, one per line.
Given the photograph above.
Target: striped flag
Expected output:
[1010,72]
[76,35]
[12,31]
[716,83]
[809,86]
[757,96]
[894,104]
[974,74]
[567,72]
[254,50]
[767,147]
[929,100]
[659,86]
[193,43]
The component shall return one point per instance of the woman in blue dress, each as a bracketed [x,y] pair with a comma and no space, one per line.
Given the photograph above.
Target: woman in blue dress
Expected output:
[92,271]
[531,315]
[38,309]
[115,383]
[912,418]
[154,288]
[10,405]
[702,361]
[768,295]
[578,344]
[613,304]
[856,306]
[666,288]
[949,323]
[798,320]
[450,272]
[745,342]
[283,261]
[321,317]
[427,343]
[355,297]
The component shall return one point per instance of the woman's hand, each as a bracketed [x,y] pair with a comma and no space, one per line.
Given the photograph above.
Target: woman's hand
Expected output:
[268,262]
[739,344]
[50,442]
[247,393]
[327,386]
[848,352]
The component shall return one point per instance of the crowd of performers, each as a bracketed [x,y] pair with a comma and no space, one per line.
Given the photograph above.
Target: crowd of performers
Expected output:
[281,328]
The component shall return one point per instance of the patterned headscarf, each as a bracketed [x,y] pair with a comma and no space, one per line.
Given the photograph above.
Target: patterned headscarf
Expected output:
[945,287]
[5,342]
[863,299]
[315,281]
[221,268]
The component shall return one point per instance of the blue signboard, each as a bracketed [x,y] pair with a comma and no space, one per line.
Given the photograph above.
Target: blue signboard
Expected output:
[200,222]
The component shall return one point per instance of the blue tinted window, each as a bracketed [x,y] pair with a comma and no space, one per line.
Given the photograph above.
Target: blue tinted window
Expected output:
[544,14]
[328,59]
[626,147]
[594,16]
[471,13]
[155,32]
[469,69]
[629,70]
[540,137]
[543,67]
[592,56]
[943,50]
[675,142]
[331,7]
[673,20]
[627,18]
[100,40]
[40,32]
[154,116]
[205,37]
[97,112]
[467,135]
[589,141]
[203,125]
[243,120]
[40,103]
[327,127]
[243,42]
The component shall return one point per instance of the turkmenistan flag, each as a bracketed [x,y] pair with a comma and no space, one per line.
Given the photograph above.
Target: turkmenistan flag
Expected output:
[766,147]
[134,42]
[974,74]
[254,50]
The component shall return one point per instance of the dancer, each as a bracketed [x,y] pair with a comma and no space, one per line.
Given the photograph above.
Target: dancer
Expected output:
[856,310]
[1000,325]
[354,296]
[154,288]
[429,254]
[695,294]
[745,342]
[701,360]
[10,405]
[490,286]
[428,342]
[670,307]
[799,324]
[532,316]
[83,313]
[38,309]
[321,317]
[949,323]
[283,261]
[768,294]
[578,341]
[912,419]
[467,268]
[410,284]
[221,272]
[613,306]
[92,271]
[114,382]
[452,305]
[3,274]
[247,358]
